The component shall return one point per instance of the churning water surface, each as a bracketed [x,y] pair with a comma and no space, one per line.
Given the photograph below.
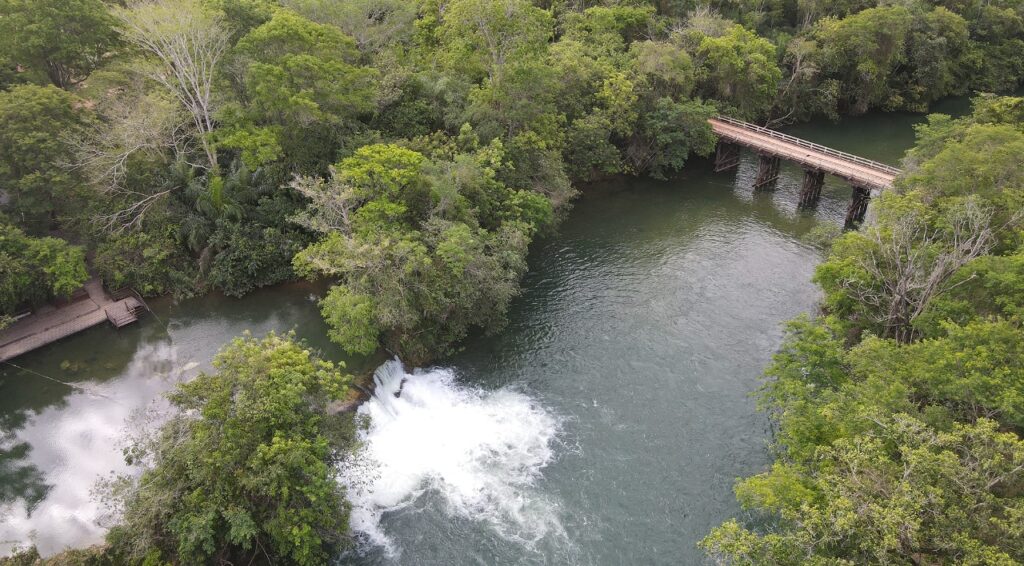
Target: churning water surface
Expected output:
[605,425]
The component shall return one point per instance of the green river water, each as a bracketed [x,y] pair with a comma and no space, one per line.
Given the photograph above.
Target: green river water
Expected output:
[605,425]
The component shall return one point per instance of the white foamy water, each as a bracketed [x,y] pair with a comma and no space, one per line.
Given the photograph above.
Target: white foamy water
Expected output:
[481,451]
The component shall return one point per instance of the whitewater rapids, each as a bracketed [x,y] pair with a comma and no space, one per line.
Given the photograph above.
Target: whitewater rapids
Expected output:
[481,451]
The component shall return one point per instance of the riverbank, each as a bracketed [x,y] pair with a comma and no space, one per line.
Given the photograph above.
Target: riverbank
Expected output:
[674,288]
[55,322]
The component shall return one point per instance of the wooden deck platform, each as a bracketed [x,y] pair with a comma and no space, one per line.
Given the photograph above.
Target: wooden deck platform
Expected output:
[51,324]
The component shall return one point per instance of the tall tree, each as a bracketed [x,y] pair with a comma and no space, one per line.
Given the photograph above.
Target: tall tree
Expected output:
[301,82]
[64,39]
[740,69]
[245,470]
[186,40]
[36,152]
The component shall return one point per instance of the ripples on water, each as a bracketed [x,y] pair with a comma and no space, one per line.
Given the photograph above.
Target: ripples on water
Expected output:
[606,425]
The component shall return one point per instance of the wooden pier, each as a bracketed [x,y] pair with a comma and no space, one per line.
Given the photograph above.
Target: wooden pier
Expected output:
[51,324]
[863,174]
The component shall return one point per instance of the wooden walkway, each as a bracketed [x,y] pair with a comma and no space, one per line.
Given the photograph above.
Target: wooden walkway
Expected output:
[858,171]
[51,324]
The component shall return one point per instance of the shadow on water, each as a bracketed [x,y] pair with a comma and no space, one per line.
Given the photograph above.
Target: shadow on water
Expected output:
[66,409]
[644,326]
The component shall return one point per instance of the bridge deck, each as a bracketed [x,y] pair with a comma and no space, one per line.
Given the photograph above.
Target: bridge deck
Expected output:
[857,170]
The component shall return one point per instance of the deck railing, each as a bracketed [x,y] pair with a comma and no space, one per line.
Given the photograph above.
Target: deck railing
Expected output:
[810,145]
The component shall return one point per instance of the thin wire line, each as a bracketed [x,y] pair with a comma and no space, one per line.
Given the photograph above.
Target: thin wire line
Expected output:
[68,384]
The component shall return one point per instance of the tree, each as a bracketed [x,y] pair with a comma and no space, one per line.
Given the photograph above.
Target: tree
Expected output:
[186,40]
[422,250]
[375,25]
[862,51]
[990,286]
[138,132]
[300,82]
[65,39]
[36,154]
[906,494]
[885,277]
[667,65]
[490,34]
[151,261]
[35,270]
[250,256]
[668,134]
[972,371]
[245,469]
[937,57]
[739,68]
[608,30]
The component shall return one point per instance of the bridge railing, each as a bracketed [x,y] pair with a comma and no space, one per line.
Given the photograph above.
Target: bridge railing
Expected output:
[810,145]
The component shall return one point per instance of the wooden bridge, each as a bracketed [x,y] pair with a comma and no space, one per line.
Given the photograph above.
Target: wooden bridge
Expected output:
[863,174]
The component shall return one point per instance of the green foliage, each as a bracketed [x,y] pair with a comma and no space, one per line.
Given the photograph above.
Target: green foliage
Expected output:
[301,81]
[36,124]
[61,40]
[35,270]
[976,370]
[905,448]
[422,250]
[740,69]
[246,469]
[149,261]
[905,494]
[375,24]
[483,37]
[862,51]
[250,257]
[668,134]
[990,286]
[244,15]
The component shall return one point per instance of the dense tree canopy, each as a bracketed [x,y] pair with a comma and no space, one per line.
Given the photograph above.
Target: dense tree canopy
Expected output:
[36,154]
[899,413]
[246,469]
[173,160]
[422,248]
[34,270]
[410,151]
[61,40]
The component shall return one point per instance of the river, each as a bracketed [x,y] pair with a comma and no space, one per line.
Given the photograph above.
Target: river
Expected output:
[606,424]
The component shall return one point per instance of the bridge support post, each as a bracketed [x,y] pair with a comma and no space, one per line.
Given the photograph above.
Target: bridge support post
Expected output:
[858,206]
[727,156]
[811,189]
[767,171]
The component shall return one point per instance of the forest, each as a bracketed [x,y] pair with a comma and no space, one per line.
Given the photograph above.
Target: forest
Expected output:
[409,152]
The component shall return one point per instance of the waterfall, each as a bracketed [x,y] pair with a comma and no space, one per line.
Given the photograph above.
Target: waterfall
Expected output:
[481,451]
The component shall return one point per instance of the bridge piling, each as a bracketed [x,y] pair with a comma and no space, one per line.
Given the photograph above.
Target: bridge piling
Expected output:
[858,206]
[810,192]
[727,156]
[767,171]
[817,160]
